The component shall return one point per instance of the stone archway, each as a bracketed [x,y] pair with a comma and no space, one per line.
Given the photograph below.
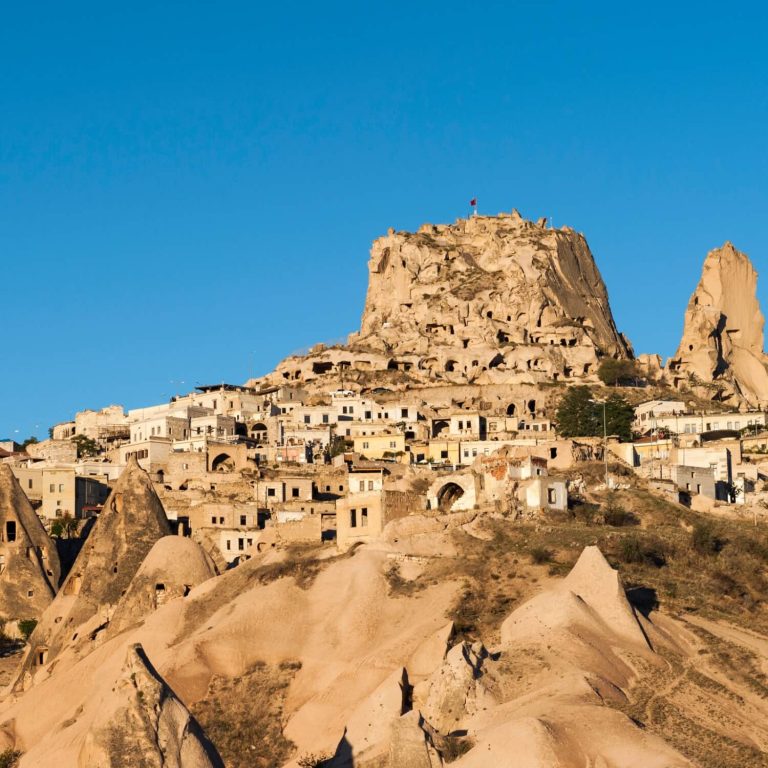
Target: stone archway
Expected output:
[448,495]
[223,463]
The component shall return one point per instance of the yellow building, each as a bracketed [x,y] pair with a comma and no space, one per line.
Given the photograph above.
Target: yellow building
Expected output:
[380,446]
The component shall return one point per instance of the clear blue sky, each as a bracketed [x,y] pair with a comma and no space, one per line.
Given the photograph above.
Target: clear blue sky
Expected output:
[188,190]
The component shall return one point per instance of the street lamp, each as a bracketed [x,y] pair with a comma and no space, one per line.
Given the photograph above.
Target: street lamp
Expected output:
[605,439]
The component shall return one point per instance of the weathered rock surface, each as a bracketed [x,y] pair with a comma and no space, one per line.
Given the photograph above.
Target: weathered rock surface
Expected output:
[142,723]
[173,567]
[131,522]
[722,340]
[487,300]
[456,690]
[29,563]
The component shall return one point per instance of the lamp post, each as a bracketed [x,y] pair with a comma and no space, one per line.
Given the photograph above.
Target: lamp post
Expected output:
[605,440]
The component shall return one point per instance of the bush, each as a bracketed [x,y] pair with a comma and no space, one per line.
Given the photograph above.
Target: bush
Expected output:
[614,372]
[704,539]
[633,550]
[26,627]
[614,514]
[9,758]
[541,555]
[312,760]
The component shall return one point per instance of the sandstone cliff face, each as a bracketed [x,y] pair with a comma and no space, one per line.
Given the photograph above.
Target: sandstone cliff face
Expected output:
[487,300]
[142,723]
[722,340]
[507,291]
[29,563]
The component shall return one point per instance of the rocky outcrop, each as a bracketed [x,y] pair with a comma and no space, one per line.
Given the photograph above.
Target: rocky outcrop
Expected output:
[132,520]
[173,567]
[487,300]
[29,562]
[142,723]
[721,353]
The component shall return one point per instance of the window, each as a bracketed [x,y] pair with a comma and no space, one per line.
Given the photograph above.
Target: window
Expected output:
[365,445]
[353,518]
[443,454]
[30,483]
[295,493]
[325,418]
[61,487]
[364,517]
[341,488]
[367,414]
[242,519]
[241,544]
[370,485]
[229,544]
[52,488]
[10,530]
[361,485]
[403,413]
[221,521]
[306,418]
[551,495]
[270,491]
[392,444]
[213,521]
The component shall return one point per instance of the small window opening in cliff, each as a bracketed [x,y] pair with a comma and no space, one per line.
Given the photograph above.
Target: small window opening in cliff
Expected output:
[563,342]
[502,337]
[511,409]
[450,366]
[159,594]
[532,406]
[10,530]
[42,656]
[571,342]
[496,361]
[509,318]
[187,589]
[322,367]
[489,315]
[114,569]
[465,343]
[690,347]
[553,453]
[695,300]
[587,368]
[403,262]
[392,365]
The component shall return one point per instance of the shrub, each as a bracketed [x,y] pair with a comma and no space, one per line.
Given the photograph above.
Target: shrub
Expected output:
[614,514]
[541,555]
[704,539]
[26,627]
[634,550]
[9,758]
[614,372]
[312,760]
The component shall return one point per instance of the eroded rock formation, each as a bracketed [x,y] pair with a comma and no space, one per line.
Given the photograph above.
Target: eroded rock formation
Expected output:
[29,563]
[722,345]
[490,299]
[142,723]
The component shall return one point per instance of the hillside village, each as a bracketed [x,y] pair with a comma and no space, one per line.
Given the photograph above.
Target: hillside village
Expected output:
[488,385]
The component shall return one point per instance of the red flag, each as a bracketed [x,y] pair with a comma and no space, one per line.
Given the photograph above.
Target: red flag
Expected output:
[473,202]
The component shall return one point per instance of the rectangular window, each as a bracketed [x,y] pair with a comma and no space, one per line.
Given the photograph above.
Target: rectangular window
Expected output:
[353,518]
[52,488]
[370,485]
[242,519]
[392,444]
[30,483]
[270,491]
[365,445]
[367,414]
[443,454]
[295,493]
[213,521]
[403,413]
[325,418]
[61,487]
[241,544]
[229,544]
[221,521]
[364,517]
[306,419]
[361,485]
[551,495]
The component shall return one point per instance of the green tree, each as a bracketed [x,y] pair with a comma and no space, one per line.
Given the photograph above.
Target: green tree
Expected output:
[31,440]
[618,415]
[85,446]
[576,415]
[614,372]
[579,415]
[65,525]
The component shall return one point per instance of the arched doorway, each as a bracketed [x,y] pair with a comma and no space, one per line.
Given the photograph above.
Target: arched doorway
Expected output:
[223,463]
[448,495]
